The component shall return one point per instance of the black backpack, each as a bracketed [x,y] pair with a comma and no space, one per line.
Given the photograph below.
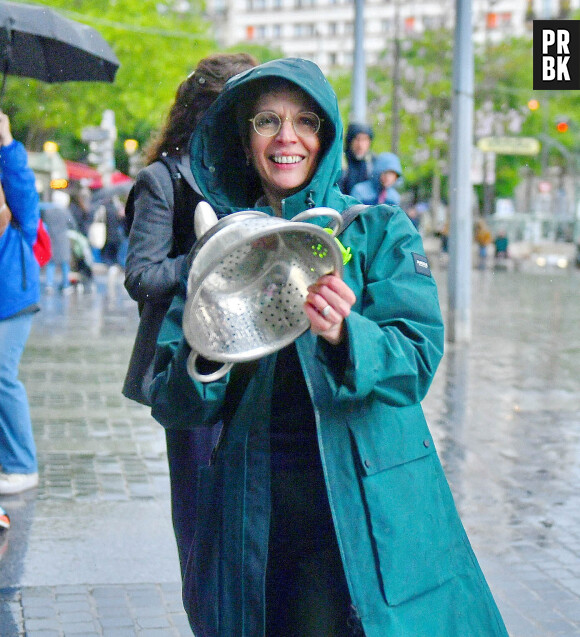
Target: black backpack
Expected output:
[185,199]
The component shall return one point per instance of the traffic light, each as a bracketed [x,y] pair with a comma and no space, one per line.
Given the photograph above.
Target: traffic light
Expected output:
[533,105]
[562,126]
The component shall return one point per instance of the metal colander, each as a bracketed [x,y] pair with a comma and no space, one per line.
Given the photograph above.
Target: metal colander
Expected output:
[246,301]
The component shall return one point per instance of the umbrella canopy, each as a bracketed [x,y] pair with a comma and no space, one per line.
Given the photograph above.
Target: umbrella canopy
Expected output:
[37,42]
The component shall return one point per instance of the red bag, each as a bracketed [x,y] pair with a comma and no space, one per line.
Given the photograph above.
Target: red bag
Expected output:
[42,248]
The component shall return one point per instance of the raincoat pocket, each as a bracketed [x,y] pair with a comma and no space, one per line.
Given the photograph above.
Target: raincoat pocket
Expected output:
[200,582]
[407,511]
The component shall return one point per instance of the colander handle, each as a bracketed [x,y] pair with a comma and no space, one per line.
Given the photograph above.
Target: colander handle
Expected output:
[205,378]
[336,217]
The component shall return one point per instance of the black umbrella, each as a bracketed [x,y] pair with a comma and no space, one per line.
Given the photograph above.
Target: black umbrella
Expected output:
[37,42]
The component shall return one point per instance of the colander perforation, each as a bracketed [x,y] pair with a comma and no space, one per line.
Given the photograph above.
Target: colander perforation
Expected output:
[248,301]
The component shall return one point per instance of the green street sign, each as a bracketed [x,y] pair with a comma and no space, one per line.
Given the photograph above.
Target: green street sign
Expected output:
[509,145]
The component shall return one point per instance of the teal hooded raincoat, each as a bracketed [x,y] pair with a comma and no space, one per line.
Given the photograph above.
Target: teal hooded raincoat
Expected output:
[409,566]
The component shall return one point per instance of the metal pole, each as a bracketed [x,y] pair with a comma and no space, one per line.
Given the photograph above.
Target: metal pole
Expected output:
[359,71]
[460,231]
[396,101]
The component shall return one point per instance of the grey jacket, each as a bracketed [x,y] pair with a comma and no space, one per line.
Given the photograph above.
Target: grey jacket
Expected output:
[58,221]
[151,275]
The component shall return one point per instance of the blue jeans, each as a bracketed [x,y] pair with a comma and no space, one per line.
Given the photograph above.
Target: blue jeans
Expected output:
[50,272]
[17,448]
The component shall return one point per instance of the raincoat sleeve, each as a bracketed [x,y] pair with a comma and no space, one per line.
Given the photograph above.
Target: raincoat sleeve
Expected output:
[179,402]
[19,186]
[151,275]
[395,331]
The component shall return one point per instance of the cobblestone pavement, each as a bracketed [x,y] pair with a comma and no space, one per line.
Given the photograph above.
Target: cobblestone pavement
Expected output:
[91,551]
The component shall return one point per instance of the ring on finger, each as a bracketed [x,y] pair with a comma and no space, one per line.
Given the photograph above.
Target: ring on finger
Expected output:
[325,311]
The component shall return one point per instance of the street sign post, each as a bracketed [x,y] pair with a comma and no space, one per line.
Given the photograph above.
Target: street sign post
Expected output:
[509,145]
[94,134]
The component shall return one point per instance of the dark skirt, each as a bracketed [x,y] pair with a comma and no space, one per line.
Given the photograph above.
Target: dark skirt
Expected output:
[306,590]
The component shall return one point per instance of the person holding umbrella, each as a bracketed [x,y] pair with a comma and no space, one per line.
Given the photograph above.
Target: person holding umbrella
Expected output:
[19,296]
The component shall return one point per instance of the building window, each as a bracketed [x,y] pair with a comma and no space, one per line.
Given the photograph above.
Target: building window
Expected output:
[506,19]
[432,22]
[276,30]
[491,20]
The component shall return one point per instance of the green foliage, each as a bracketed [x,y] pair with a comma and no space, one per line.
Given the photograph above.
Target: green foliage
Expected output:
[262,53]
[502,82]
[156,52]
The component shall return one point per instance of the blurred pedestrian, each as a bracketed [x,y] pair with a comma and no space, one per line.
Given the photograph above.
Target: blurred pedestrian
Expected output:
[501,243]
[161,235]
[58,220]
[413,214]
[4,520]
[380,188]
[81,260]
[80,207]
[359,159]
[114,214]
[483,239]
[19,296]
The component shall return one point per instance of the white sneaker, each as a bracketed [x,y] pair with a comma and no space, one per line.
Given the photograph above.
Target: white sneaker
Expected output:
[16,482]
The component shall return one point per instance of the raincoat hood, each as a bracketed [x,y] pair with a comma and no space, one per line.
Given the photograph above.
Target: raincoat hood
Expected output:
[351,132]
[383,162]
[218,161]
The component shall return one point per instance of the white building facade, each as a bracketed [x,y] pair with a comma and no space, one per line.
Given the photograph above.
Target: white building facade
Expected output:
[322,30]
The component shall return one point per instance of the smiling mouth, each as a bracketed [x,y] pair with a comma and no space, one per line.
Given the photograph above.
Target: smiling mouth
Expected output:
[286,159]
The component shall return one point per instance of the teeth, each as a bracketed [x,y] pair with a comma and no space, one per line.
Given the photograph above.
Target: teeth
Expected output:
[287,159]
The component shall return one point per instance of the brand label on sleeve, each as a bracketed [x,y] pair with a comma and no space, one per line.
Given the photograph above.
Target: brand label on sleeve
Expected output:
[421,264]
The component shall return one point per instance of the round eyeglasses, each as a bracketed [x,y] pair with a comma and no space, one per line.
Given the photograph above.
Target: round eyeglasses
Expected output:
[268,123]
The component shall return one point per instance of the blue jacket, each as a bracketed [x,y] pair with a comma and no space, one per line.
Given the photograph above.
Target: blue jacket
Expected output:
[19,270]
[408,563]
[368,191]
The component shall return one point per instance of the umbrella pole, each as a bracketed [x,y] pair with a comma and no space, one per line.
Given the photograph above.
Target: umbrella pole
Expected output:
[7,53]
[3,87]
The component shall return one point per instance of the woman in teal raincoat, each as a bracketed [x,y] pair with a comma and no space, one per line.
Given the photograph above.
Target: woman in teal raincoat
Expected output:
[325,511]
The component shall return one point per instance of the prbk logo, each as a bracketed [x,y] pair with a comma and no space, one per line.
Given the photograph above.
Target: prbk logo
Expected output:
[556,54]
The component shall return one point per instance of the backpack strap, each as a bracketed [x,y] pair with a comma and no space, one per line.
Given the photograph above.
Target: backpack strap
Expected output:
[350,214]
[185,199]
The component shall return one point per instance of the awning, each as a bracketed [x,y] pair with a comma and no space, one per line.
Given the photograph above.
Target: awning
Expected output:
[77,171]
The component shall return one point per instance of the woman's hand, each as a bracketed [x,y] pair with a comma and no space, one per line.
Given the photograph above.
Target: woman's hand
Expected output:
[328,303]
[5,134]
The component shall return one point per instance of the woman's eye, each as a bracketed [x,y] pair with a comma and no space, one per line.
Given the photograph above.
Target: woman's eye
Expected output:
[306,121]
[265,120]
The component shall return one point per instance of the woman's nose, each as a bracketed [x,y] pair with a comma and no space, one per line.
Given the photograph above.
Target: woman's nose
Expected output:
[286,131]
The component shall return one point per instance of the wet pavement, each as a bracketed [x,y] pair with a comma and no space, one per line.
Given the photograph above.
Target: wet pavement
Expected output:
[91,551]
